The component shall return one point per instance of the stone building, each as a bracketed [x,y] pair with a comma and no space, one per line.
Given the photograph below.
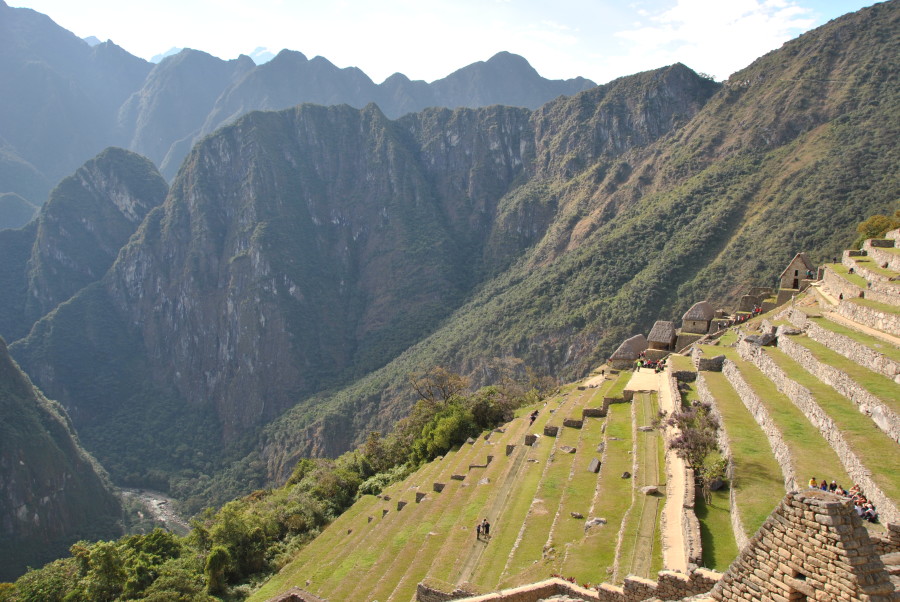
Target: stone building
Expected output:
[628,352]
[697,319]
[799,269]
[662,336]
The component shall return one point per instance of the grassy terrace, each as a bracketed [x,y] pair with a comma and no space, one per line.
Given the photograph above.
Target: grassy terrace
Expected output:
[621,382]
[681,363]
[878,385]
[882,307]
[528,558]
[758,482]
[811,454]
[641,550]
[589,557]
[716,534]
[578,495]
[410,565]
[869,341]
[867,263]
[844,272]
[877,451]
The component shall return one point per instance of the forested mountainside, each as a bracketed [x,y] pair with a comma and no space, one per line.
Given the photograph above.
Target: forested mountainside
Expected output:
[306,261]
[63,101]
[76,236]
[52,492]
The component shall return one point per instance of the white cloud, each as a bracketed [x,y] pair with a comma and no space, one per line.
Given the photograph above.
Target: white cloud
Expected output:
[713,36]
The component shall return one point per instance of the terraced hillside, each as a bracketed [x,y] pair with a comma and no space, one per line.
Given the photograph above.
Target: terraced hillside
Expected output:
[820,399]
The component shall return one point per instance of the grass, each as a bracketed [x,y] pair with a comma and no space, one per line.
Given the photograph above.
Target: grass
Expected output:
[874,343]
[811,454]
[716,534]
[877,306]
[640,548]
[878,385]
[590,559]
[844,272]
[621,382]
[681,363]
[758,482]
[878,452]
[870,265]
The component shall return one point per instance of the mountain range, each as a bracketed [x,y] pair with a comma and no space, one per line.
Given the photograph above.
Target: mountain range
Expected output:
[65,99]
[272,301]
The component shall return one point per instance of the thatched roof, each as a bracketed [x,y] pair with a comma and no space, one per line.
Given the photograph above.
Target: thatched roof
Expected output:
[702,311]
[662,332]
[630,349]
[805,264]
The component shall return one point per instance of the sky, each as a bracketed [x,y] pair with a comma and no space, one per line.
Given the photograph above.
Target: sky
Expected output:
[429,39]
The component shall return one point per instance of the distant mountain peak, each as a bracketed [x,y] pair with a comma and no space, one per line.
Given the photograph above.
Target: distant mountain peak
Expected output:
[91,40]
[170,52]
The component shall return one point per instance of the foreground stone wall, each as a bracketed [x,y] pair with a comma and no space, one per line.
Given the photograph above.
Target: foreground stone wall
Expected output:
[886,419]
[806,402]
[813,545]
[881,257]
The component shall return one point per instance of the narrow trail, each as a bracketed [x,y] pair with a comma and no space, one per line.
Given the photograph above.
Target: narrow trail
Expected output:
[673,534]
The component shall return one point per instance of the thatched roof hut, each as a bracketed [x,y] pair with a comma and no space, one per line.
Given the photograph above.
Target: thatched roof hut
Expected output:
[628,352]
[662,335]
[700,311]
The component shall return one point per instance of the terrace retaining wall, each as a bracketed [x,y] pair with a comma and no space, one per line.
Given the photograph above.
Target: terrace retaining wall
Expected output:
[869,316]
[806,402]
[886,419]
[851,349]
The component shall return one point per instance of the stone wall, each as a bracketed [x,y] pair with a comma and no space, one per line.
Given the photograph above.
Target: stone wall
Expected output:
[871,317]
[851,349]
[669,585]
[840,287]
[812,547]
[881,257]
[886,419]
[806,401]
[756,407]
[690,524]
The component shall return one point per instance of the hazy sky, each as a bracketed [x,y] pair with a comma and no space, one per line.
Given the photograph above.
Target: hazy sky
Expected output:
[428,39]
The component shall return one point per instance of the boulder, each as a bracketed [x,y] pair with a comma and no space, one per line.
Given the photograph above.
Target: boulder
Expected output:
[645,429]
[626,475]
[594,522]
[650,490]
[784,329]
[484,481]
[576,515]
[470,441]
[760,339]
[594,466]
[551,431]
[566,449]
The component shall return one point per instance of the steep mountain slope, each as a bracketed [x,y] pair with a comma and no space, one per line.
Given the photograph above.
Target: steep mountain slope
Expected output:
[301,249]
[76,236]
[791,152]
[52,492]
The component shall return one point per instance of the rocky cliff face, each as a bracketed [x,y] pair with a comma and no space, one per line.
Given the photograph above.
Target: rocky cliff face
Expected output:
[298,250]
[75,237]
[52,493]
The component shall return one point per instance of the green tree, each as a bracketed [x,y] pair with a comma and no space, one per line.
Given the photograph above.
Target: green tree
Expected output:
[217,565]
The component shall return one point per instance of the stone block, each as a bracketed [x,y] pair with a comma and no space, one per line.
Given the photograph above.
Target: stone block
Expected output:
[458,477]
[400,505]
[573,423]
[438,487]
[510,448]
[530,439]
[594,466]
[551,431]
[419,496]
[592,413]
[567,449]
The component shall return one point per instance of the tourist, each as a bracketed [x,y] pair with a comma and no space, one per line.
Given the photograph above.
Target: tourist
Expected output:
[833,486]
[486,527]
[824,485]
[478,528]
[813,483]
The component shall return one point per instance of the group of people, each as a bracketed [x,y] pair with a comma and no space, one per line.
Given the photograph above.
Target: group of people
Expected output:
[532,417]
[658,366]
[864,508]
[483,529]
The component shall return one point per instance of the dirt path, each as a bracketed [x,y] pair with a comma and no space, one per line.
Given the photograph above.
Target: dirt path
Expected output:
[643,379]
[673,534]
[836,317]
